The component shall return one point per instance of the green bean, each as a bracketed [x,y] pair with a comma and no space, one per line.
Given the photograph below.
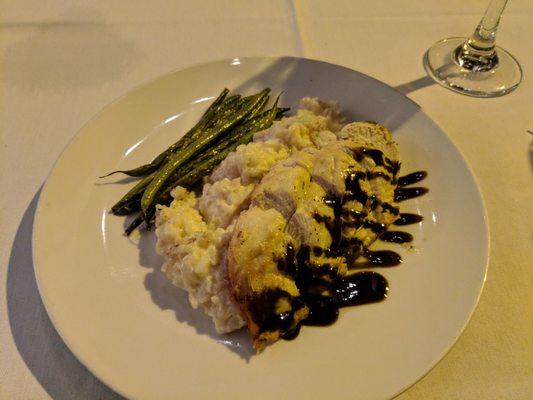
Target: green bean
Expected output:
[134,191]
[231,103]
[256,111]
[280,111]
[218,152]
[185,140]
[201,169]
[181,157]
[202,165]
[211,114]
[256,123]
[210,159]
[131,204]
[134,224]
[225,114]
[129,207]
[230,111]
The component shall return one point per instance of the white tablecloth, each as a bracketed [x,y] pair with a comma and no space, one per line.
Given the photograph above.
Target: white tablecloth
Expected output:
[62,61]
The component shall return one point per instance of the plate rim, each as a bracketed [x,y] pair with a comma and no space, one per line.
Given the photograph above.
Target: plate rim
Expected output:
[136,88]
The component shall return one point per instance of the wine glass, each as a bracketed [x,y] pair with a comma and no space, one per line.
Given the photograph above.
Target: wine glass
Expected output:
[475,66]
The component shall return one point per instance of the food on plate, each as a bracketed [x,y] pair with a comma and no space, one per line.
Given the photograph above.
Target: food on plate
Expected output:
[227,123]
[271,238]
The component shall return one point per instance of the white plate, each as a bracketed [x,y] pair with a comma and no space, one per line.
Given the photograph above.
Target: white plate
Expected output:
[138,334]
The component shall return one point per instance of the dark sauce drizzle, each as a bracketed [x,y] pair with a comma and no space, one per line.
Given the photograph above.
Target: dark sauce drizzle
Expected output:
[402,194]
[322,290]
[409,179]
[408,219]
[396,237]
[383,258]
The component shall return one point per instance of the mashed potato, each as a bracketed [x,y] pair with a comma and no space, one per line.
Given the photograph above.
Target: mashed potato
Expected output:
[193,233]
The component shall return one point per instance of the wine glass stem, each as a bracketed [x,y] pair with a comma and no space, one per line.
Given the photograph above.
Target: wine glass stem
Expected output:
[478,53]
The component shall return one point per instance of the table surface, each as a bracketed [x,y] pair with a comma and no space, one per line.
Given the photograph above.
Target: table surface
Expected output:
[61,62]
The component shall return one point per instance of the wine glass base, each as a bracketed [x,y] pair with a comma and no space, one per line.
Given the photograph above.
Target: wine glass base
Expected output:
[440,65]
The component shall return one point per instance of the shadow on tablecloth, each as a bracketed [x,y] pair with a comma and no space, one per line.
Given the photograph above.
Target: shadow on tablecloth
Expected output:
[414,85]
[48,358]
[76,49]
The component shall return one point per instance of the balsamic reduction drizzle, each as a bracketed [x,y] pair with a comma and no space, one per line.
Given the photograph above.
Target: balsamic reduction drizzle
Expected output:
[322,290]
[396,237]
[408,219]
[409,179]
[356,289]
[323,310]
[402,194]
[292,333]
[383,258]
[360,288]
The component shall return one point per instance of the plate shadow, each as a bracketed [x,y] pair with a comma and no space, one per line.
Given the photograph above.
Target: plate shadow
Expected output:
[50,361]
[169,297]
